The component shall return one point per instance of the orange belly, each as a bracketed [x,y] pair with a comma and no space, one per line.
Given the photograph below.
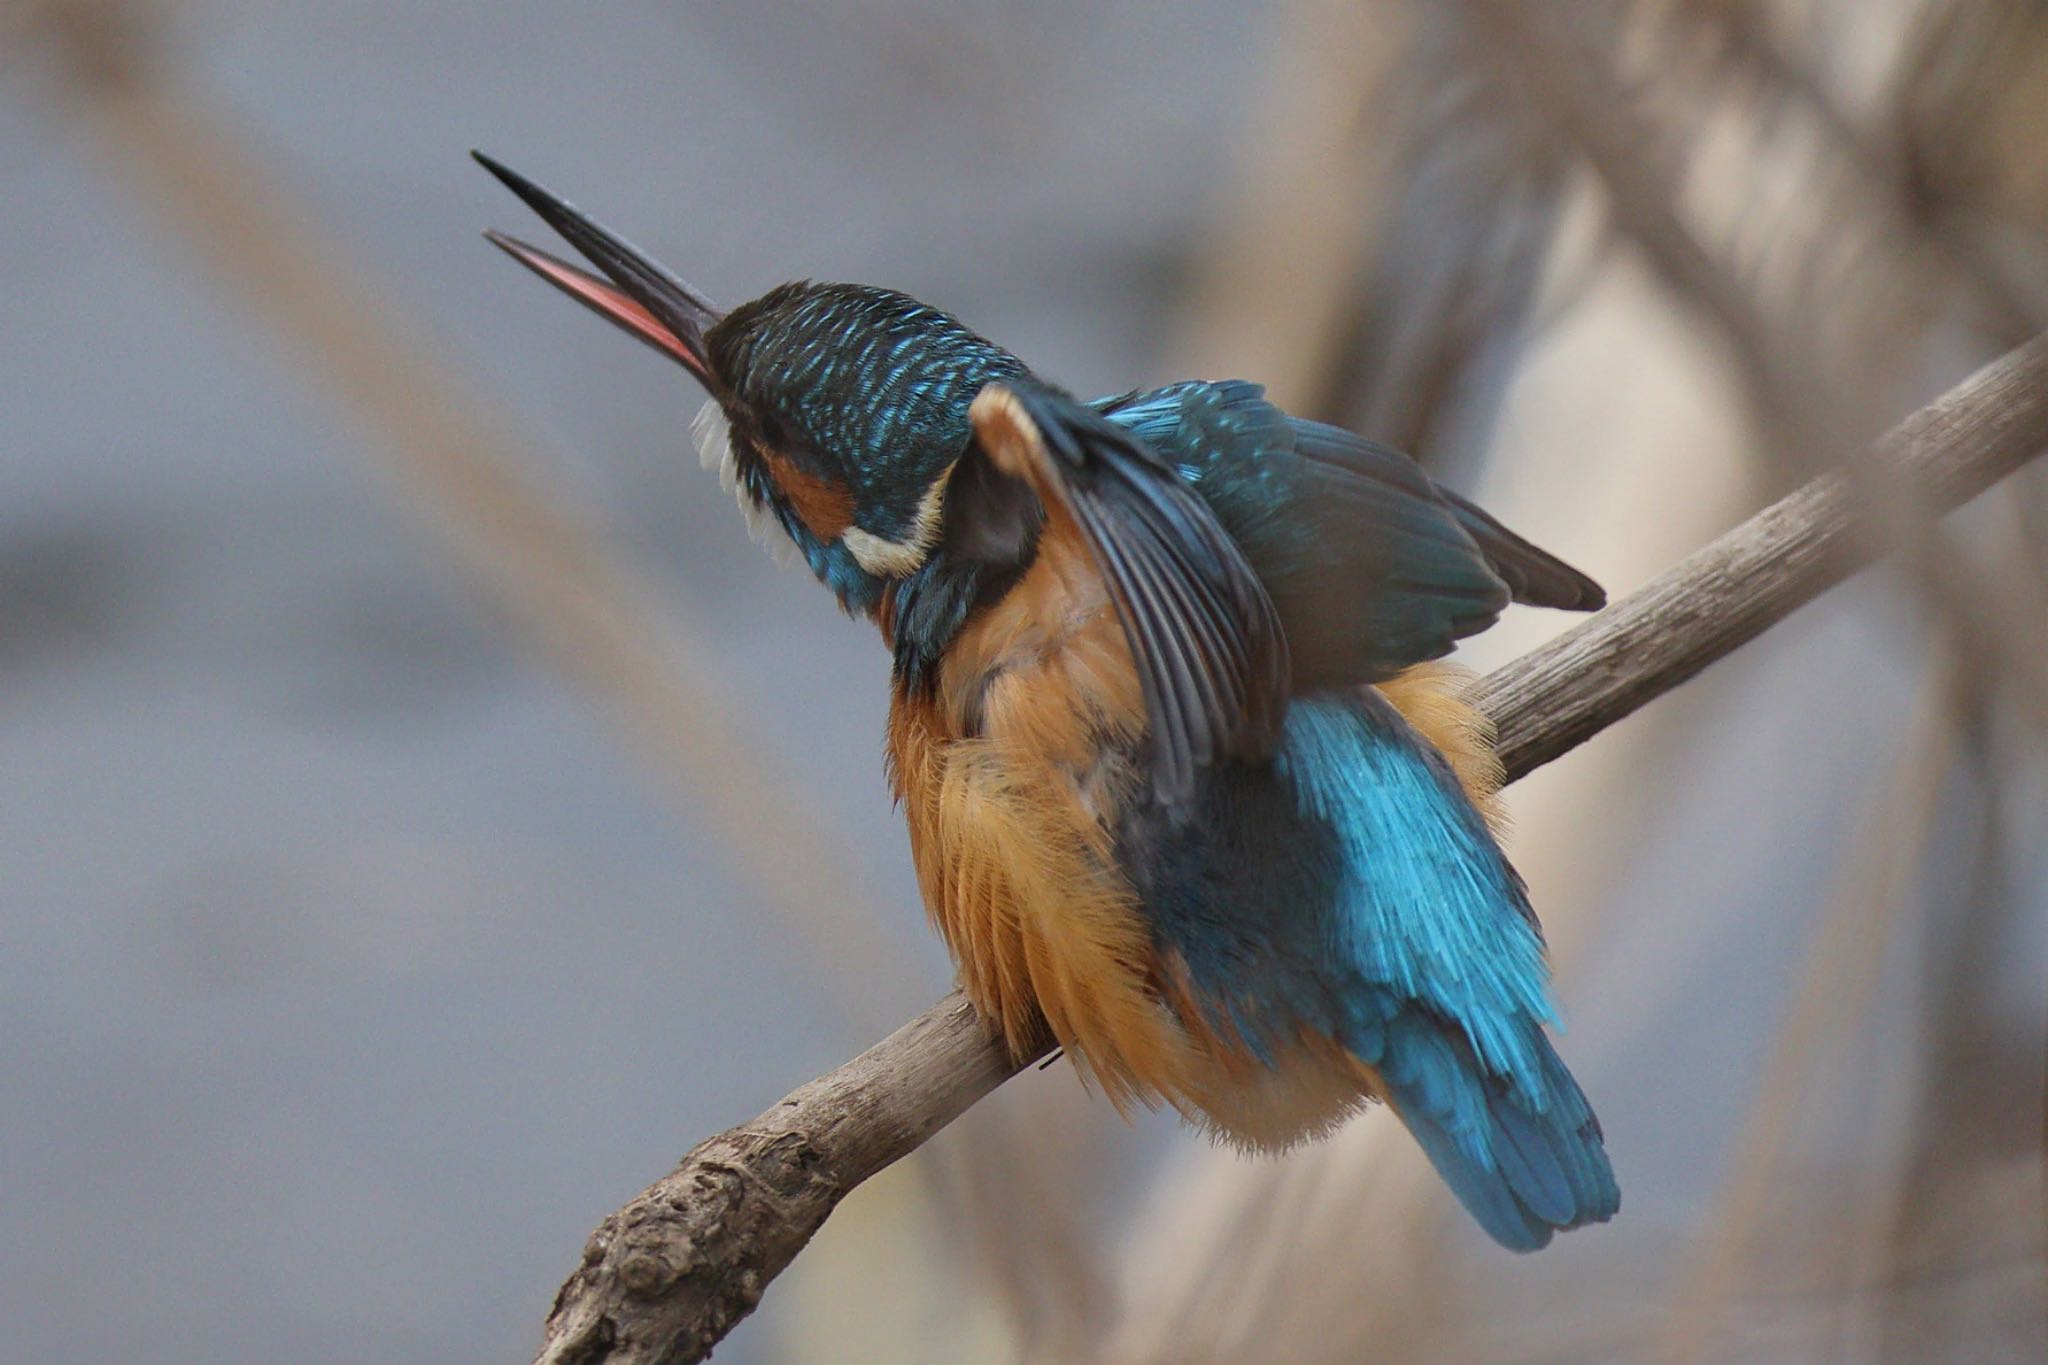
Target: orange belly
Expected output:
[1011,773]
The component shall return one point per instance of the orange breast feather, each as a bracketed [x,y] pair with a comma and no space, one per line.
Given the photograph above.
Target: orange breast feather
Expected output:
[1008,824]
[1010,775]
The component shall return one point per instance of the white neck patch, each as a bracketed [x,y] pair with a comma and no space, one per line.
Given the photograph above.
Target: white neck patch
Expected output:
[896,558]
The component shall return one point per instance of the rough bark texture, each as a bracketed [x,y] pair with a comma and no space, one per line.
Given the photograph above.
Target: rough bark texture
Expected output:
[667,1276]
[1555,698]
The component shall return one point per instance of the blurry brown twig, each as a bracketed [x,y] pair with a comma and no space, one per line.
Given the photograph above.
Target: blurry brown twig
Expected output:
[1272,290]
[1467,208]
[561,581]
[1968,105]
[1878,876]
[667,1276]
[1384,231]
[1569,86]
[1812,416]
[2014,311]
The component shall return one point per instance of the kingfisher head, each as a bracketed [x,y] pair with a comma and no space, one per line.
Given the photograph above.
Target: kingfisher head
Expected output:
[837,411]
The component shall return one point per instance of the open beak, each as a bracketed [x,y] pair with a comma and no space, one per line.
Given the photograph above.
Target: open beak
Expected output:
[640,296]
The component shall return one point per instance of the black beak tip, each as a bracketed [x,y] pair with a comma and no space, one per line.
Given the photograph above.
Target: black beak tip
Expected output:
[681,309]
[536,197]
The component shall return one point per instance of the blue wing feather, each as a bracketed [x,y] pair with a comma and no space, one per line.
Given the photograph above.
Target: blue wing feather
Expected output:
[1392,924]
[1348,888]
[1372,567]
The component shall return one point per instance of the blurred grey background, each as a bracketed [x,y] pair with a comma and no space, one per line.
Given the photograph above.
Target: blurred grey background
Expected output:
[423,814]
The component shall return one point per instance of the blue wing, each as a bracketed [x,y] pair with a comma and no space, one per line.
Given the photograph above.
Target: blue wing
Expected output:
[1349,889]
[1372,567]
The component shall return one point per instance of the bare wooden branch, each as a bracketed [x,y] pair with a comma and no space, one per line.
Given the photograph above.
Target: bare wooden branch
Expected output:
[667,1276]
[1555,698]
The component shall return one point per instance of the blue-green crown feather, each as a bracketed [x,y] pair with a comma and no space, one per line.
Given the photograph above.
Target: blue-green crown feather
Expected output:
[870,384]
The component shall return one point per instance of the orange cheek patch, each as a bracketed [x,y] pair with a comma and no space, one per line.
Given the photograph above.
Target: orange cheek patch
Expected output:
[824,507]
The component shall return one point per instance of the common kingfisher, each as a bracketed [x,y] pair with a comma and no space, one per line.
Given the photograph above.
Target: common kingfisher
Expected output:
[1188,793]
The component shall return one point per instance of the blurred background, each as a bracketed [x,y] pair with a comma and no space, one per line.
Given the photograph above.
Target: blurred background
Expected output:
[423,814]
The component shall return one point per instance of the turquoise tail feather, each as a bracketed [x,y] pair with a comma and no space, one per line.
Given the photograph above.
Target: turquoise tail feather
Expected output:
[1524,1170]
[1453,964]
[1394,925]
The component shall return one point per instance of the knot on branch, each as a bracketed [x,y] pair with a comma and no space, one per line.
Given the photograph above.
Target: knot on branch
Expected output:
[690,1257]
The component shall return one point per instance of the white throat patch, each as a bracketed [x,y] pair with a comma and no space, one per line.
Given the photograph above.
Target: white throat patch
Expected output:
[880,557]
[713,435]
